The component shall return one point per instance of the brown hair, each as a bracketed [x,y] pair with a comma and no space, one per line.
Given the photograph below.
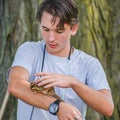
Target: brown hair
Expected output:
[66,10]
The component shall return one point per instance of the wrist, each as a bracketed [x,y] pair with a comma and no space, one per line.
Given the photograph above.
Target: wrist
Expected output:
[54,107]
[74,83]
[61,106]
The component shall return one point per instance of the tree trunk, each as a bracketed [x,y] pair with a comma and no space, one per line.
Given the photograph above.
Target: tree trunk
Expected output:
[98,35]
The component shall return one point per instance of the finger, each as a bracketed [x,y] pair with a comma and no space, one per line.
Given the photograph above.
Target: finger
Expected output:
[77,117]
[42,73]
[53,84]
[43,78]
[45,82]
[79,113]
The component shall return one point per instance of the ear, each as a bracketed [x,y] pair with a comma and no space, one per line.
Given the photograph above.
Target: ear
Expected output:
[74,29]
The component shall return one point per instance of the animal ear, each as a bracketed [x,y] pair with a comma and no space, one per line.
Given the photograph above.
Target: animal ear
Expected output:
[74,29]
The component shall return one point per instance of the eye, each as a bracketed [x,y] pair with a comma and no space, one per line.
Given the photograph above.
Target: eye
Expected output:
[60,31]
[45,29]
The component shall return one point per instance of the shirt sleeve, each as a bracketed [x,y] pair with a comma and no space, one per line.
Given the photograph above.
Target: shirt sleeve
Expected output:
[24,56]
[96,77]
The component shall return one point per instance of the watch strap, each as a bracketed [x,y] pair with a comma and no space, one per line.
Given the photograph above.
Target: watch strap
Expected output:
[56,102]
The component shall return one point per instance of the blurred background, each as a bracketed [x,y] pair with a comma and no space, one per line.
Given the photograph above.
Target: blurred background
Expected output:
[98,35]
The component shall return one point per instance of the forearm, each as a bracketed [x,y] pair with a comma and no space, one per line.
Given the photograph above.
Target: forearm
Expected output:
[98,100]
[19,87]
[23,92]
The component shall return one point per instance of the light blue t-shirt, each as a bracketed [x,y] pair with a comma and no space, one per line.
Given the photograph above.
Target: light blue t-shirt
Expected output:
[82,66]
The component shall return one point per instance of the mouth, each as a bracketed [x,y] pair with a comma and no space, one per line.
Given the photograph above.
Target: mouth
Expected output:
[52,45]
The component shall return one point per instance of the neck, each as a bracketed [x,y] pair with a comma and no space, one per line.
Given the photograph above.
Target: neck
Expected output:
[66,52]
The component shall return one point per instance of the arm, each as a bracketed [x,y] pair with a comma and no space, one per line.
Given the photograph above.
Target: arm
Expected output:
[18,86]
[100,100]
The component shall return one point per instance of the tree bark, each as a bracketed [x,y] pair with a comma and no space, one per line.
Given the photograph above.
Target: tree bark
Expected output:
[98,35]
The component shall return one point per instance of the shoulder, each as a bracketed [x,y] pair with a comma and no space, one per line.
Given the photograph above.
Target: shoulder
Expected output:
[29,44]
[90,62]
[31,47]
[85,57]
[86,60]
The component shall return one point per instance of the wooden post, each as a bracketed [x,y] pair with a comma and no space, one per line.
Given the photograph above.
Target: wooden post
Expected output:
[2,109]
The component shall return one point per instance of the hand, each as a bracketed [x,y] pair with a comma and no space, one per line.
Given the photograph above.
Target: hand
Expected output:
[68,112]
[51,80]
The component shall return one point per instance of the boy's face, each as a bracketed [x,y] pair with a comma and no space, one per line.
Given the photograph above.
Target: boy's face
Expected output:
[57,40]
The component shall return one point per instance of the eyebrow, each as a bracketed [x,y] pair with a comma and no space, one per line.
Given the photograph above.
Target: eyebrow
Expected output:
[44,27]
[56,28]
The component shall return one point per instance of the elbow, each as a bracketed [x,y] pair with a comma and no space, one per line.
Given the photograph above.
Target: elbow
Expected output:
[108,110]
[11,89]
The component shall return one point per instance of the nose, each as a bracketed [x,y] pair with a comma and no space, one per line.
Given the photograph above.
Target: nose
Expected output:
[51,36]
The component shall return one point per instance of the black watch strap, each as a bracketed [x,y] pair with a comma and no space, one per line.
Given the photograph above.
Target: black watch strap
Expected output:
[54,107]
[57,101]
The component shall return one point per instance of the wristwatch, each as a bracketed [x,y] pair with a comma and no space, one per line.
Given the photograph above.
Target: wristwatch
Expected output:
[54,107]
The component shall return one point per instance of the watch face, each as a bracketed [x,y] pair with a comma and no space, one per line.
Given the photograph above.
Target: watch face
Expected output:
[53,108]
